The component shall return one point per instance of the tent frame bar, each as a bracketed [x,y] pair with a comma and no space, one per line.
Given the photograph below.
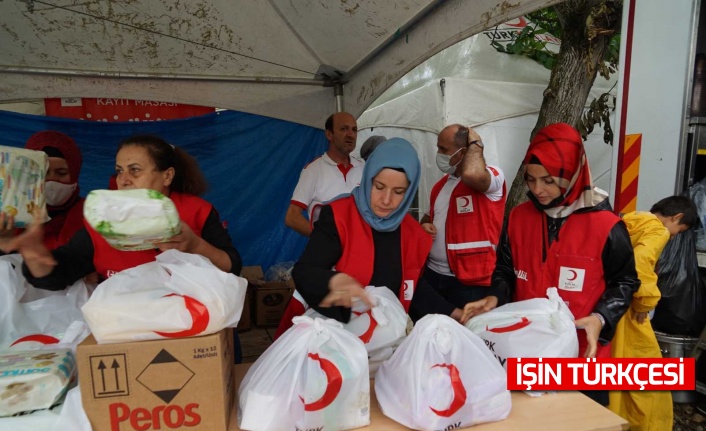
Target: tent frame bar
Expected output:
[175,77]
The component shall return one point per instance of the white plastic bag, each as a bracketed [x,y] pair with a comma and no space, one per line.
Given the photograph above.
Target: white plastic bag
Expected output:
[534,328]
[315,375]
[33,318]
[178,295]
[442,377]
[381,329]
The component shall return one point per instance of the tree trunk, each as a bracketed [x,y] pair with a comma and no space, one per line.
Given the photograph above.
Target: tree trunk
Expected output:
[571,78]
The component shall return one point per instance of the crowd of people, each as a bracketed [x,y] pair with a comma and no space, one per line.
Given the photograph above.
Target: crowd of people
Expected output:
[461,259]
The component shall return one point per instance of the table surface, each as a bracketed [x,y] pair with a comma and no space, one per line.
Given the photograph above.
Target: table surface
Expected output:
[559,411]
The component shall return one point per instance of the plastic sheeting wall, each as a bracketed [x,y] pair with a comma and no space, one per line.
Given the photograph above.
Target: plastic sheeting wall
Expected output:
[252,164]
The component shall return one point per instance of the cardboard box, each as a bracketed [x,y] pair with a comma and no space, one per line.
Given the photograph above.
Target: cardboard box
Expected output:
[245,323]
[269,299]
[182,383]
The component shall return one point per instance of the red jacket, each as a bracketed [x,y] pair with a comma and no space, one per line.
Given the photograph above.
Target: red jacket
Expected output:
[107,260]
[359,254]
[473,225]
[573,263]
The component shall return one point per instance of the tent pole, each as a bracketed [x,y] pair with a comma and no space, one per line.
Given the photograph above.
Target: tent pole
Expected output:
[338,92]
[176,77]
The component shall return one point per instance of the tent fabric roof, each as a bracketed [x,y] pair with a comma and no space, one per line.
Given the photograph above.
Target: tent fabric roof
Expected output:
[263,57]
[469,83]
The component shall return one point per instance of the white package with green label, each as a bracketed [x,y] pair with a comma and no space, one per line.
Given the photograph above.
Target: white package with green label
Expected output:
[132,219]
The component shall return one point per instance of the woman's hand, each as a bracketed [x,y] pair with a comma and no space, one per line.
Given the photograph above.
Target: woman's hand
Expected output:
[593,325]
[478,307]
[429,228]
[30,244]
[343,289]
[186,241]
[7,225]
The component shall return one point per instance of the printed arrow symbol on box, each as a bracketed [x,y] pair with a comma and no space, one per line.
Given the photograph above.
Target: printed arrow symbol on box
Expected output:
[115,367]
[101,366]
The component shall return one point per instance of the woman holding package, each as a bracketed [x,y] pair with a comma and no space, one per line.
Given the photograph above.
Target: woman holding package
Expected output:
[142,162]
[566,236]
[64,205]
[369,239]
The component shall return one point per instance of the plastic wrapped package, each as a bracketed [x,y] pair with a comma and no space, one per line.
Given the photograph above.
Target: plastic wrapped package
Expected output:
[534,328]
[315,376]
[442,377]
[381,329]
[132,219]
[22,174]
[32,380]
[280,272]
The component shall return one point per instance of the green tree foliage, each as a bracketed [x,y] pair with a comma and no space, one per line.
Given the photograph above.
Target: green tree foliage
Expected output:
[600,22]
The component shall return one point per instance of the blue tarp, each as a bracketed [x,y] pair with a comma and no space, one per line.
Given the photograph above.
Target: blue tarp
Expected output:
[252,164]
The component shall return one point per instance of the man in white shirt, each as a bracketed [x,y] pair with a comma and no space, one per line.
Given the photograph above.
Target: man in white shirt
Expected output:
[333,173]
[465,218]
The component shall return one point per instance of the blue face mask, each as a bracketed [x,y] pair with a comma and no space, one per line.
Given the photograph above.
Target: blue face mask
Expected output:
[443,162]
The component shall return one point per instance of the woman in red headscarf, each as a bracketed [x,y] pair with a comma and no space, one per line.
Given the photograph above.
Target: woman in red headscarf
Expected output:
[566,236]
[64,205]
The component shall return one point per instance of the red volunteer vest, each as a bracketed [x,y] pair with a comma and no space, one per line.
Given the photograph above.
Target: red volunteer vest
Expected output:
[59,230]
[473,225]
[359,253]
[107,260]
[574,263]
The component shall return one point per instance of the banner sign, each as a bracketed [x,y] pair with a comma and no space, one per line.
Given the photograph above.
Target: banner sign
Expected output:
[112,110]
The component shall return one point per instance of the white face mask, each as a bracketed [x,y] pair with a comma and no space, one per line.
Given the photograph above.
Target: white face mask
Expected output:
[57,193]
[443,162]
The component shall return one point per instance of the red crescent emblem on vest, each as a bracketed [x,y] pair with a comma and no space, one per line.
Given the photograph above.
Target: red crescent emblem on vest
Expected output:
[574,274]
[199,316]
[459,392]
[367,335]
[38,338]
[514,327]
[334,381]
[466,201]
[521,22]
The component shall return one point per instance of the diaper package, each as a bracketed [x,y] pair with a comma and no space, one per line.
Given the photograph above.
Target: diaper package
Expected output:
[22,174]
[34,379]
[132,219]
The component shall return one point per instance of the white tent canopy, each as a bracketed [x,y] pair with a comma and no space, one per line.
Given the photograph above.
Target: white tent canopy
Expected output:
[272,58]
[471,83]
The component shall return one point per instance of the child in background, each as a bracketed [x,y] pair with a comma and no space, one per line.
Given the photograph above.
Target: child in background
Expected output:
[634,336]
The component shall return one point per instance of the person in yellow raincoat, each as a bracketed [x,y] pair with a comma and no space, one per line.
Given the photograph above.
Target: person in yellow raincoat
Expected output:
[634,336]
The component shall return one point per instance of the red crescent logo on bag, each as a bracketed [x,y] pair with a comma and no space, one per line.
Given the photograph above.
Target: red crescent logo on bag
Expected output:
[38,338]
[334,381]
[199,317]
[514,327]
[459,392]
[367,335]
